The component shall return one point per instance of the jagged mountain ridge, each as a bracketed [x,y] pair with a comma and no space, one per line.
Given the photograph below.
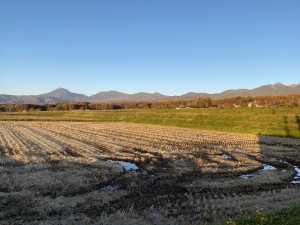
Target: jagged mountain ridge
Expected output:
[63,95]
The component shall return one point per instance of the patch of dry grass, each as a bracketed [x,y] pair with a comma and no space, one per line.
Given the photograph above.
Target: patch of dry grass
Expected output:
[56,172]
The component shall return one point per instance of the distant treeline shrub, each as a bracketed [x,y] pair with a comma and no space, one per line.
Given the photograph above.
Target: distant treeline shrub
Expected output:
[263,101]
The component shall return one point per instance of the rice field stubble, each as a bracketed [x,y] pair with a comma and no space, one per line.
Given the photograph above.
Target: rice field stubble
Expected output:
[74,173]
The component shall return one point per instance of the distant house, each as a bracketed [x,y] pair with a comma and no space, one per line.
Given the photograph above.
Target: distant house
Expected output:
[184,108]
[254,104]
[258,106]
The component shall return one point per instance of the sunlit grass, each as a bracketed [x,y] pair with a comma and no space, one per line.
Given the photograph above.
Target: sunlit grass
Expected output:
[264,121]
[290,216]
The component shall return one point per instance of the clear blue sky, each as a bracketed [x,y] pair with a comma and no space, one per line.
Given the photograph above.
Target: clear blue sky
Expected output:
[172,47]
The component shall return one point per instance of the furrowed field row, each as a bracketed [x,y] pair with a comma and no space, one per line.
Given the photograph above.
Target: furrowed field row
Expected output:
[127,141]
[109,170]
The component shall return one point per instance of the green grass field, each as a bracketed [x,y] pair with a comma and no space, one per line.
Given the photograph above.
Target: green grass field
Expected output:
[264,121]
[290,216]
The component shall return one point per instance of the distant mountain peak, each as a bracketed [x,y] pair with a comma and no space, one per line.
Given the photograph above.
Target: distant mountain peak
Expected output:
[64,95]
[111,91]
[60,90]
[294,85]
[279,84]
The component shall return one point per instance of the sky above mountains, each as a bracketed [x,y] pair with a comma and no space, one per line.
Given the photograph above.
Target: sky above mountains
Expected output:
[172,47]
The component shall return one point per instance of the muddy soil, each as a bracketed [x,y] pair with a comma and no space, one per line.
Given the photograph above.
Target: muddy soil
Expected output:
[119,173]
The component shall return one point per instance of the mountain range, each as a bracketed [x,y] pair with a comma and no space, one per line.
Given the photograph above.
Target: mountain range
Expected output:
[63,95]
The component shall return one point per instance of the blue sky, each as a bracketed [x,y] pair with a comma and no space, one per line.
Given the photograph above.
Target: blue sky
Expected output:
[172,47]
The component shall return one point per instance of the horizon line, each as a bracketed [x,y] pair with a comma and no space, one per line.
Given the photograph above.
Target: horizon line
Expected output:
[279,83]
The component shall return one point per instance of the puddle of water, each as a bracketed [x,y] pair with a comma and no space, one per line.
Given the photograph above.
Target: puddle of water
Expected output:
[298,171]
[225,156]
[126,165]
[267,167]
[283,161]
[111,187]
[246,176]
[296,179]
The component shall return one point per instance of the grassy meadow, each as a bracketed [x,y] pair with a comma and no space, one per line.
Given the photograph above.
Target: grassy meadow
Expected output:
[283,122]
[290,216]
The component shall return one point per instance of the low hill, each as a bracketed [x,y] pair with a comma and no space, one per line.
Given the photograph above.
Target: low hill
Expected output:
[63,95]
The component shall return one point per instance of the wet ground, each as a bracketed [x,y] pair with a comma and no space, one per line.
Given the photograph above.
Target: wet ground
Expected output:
[117,173]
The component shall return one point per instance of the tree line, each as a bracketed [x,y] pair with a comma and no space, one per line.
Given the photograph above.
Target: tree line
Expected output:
[242,102]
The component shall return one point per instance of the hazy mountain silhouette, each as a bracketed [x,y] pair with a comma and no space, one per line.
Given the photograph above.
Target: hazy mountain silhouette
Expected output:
[108,96]
[58,95]
[63,95]
[275,89]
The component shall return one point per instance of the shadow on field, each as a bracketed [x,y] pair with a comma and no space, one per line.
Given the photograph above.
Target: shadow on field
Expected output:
[286,126]
[184,176]
[289,130]
[298,122]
